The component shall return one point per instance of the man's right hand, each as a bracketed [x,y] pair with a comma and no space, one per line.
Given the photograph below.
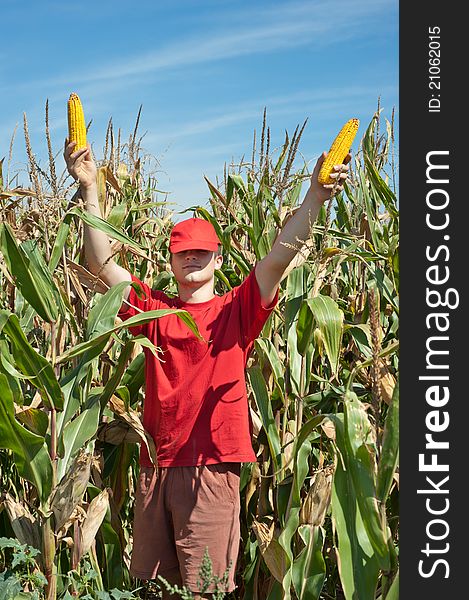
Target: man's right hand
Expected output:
[80,164]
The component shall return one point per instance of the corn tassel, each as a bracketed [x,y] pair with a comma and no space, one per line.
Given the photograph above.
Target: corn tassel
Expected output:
[338,151]
[76,122]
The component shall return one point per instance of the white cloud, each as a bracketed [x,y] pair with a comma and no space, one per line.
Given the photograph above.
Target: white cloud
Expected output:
[269,30]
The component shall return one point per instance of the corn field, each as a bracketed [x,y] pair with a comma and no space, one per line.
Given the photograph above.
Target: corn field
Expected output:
[319,509]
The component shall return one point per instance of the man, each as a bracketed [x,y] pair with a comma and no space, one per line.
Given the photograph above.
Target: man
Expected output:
[195,401]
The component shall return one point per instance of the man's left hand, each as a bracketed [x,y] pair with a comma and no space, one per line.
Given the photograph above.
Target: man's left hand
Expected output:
[340,174]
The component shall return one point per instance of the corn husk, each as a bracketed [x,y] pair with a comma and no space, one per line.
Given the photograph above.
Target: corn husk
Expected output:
[70,490]
[318,499]
[272,552]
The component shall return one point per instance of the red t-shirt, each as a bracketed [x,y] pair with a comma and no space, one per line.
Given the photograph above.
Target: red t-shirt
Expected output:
[196,406]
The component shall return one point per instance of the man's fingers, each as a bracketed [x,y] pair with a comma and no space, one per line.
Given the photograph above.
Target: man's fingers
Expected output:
[338,176]
[333,187]
[79,153]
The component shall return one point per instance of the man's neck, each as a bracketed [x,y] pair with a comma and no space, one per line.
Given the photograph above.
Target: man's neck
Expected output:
[194,295]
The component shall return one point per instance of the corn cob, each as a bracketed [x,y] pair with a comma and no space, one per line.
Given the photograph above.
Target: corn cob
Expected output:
[338,151]
[76,122]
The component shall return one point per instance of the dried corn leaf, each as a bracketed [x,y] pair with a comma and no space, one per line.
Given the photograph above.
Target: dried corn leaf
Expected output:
[111,179]
[256,422]
[78,515]
[252,484]
[288,446]
[133,420]
[387,382]
[87,278]
[329,428]
[117,432]
[20,192]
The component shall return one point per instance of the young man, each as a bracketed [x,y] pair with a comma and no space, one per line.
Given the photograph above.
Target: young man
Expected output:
[196,405]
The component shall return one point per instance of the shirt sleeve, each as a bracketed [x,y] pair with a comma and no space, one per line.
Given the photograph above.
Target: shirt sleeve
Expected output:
[143,300]
[253,314]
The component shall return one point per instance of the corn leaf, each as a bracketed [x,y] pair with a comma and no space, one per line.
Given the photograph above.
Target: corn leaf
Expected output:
[117,215]
[304,328]
[390,449]
[35,419]
[356,452]
[35,367]
[31,455]
[134,377]
[102,225]
[393,593]
[330,320]
[40,267]
[264,407]
[59,242]
[113,567]
[301,452]
[266,349]
[309,568]
[140,319]
[75,434]
[296,291]
[358,565]
[31,282]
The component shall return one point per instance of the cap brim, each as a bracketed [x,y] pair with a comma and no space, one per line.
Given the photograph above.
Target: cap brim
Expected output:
[193,245]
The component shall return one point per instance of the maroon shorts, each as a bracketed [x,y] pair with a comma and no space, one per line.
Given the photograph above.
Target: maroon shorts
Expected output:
[181,511]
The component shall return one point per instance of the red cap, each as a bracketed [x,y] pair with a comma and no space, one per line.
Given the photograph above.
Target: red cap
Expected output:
[193,234]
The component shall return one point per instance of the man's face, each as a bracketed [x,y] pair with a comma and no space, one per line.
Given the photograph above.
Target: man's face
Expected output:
[195,266]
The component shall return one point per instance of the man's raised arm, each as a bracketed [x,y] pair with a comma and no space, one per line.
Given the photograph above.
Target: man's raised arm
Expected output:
[81,167]
[269,271]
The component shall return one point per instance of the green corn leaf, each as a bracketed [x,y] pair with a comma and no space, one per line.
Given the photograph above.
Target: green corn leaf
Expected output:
[34,287]
[304,328]
[301,452]
[393,593]
[117,215]
[283,154]
[264,407]
[35,367]
[40,267]
[103,314]
[75,434]
[358,565]
[102,225]
[35,419]
[140,319]
[59,242]
[31,455]
[356,453]
[134,376]
[266,349]
[309,568]
[330,320]
[390,449]
[117,374]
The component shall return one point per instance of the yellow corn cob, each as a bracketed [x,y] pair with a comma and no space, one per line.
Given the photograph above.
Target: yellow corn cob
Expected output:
[76,122]
[338,151]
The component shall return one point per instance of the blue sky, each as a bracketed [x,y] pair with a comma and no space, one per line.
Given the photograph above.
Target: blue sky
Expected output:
[203,70]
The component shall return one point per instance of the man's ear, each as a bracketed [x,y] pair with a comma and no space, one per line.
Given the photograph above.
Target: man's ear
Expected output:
[218,261]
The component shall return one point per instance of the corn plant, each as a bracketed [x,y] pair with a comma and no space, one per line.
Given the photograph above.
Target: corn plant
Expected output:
[319,508]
